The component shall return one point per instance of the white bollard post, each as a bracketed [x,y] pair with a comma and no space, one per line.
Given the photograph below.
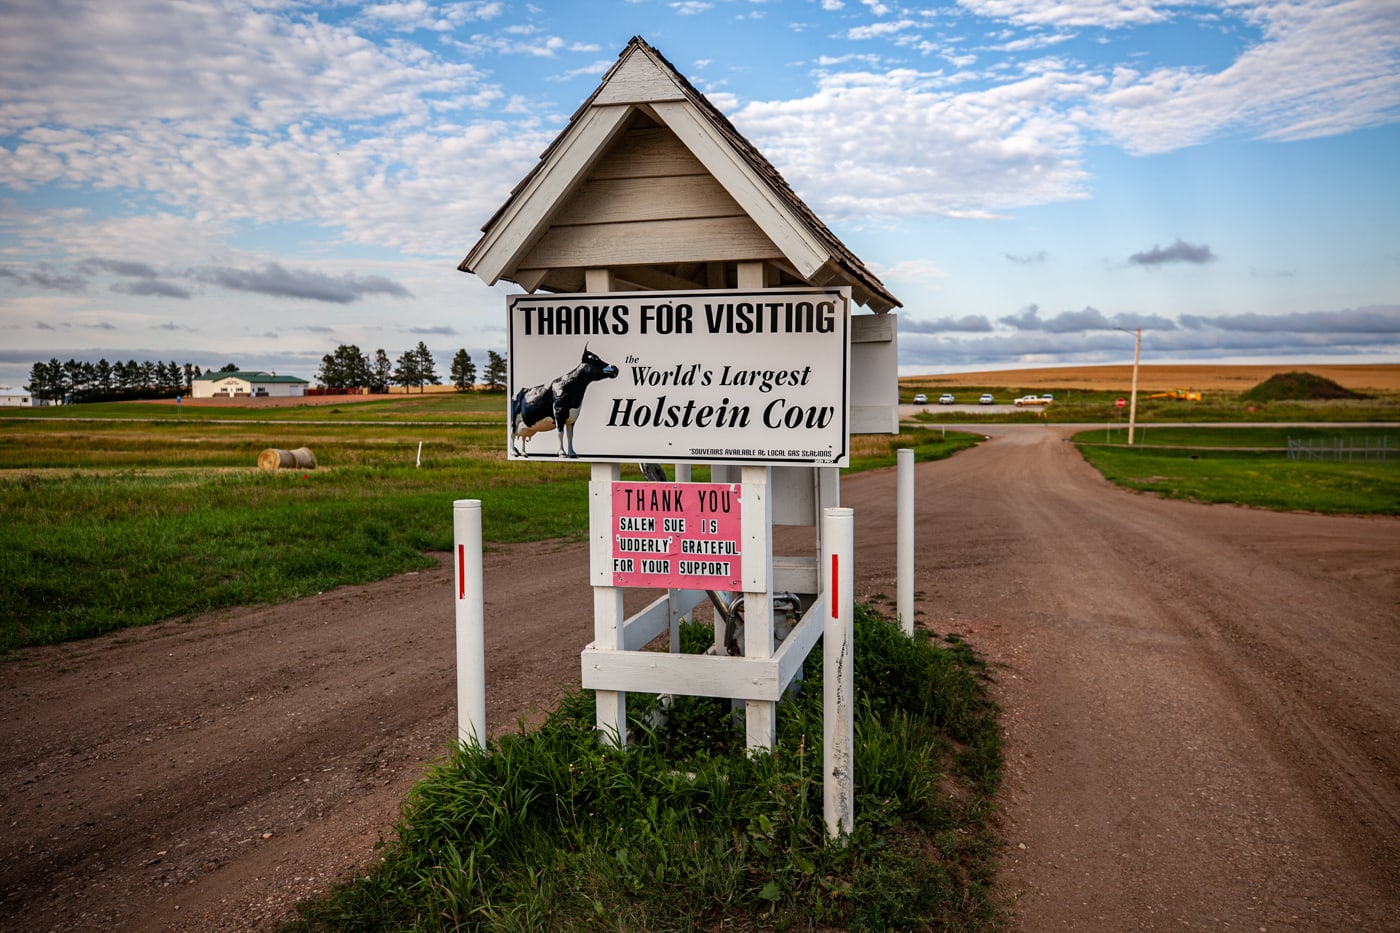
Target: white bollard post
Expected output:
[838,672]
[904,540]
[471,627]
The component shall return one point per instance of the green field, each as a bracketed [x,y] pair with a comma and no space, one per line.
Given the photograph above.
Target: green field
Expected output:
[1251,466]
[126,514]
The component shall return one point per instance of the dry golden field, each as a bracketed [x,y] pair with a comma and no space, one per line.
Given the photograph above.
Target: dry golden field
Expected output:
[1360,377]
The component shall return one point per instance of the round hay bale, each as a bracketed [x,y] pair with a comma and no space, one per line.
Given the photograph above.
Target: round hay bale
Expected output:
[305,459]
[274,459]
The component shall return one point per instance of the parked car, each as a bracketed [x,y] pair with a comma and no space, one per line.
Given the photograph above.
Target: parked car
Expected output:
[921,399]
[946,399]
[1031,400]
[986,399]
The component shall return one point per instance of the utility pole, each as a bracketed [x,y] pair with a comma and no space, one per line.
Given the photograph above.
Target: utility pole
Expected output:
[1132,399]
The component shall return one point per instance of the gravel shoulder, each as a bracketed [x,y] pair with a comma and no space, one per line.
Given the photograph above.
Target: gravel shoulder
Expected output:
[1200,704]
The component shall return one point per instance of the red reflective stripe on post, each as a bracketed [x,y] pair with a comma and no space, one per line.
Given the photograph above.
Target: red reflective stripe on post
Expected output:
[835,586]
[461,571]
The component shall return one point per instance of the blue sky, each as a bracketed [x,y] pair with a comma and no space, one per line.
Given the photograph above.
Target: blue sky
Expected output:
[259,182]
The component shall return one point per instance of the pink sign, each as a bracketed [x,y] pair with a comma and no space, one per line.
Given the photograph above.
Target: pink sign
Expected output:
[682,536]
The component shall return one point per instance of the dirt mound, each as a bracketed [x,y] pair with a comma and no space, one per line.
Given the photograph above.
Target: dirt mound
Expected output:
[1298,387]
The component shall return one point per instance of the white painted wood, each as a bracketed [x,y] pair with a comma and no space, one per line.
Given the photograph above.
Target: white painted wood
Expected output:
[794,495]
[638,79]
[657,617]
[470,623]
[838,674]
[598,280]
[608,622]
[751,275]
[498,252]
[646,152]
[700,675]
[798,245]
[795,574]
[717,239]
[629,200]
[874,407]
[760,716]
[795,648]
[904,539]
[600,521]
[874,419]
[873,328]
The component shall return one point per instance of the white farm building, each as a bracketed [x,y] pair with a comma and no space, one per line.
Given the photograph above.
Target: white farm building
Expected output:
[247,385]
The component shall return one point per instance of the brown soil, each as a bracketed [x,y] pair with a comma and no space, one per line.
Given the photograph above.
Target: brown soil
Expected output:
[1153,377]
[1201,710]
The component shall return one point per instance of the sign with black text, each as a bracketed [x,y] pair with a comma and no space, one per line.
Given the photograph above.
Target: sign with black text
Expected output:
[704,376]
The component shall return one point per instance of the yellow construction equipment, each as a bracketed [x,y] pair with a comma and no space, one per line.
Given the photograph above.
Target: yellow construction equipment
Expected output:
[1179,395]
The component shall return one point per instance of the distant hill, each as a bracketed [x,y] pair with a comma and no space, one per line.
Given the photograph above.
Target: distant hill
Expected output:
[1298,387]
[1230,379]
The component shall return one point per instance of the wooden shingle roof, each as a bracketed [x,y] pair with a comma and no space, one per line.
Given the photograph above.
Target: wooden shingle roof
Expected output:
[651,181]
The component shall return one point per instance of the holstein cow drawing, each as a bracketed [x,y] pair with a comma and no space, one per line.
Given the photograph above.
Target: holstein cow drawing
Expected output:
[556,404]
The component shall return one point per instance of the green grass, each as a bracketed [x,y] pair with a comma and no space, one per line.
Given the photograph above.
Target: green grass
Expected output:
[1073,406]
[549,830]
[1227,465]
[114,519]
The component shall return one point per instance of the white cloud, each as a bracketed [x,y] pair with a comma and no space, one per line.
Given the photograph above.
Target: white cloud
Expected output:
[1322,68]
[903,145]
[1106,13]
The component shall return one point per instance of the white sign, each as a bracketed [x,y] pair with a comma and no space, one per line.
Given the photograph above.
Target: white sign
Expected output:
[703,376]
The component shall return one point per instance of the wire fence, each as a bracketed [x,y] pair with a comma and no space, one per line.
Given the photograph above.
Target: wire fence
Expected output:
[1342,449]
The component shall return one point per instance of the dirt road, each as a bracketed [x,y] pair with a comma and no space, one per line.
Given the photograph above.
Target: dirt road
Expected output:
[1202,711]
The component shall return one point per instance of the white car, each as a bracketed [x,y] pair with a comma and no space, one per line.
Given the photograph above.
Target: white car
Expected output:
[921,399]
[946,399]
[1031,400]
[986,399]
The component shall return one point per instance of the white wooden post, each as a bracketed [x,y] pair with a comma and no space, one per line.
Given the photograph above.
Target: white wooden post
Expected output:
[756,504]
[838,672]
[904,540]
[471,636]
[608,616]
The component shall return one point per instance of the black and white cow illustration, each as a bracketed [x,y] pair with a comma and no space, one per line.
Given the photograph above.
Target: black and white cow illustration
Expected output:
[556,404]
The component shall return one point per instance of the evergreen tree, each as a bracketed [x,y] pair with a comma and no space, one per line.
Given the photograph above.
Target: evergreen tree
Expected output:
[346,368]
[427,367]
[495,375]
[381,372]
[463,372]
[406,371]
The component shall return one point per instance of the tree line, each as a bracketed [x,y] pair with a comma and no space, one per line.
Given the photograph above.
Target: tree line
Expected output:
[85,381]
[348,368]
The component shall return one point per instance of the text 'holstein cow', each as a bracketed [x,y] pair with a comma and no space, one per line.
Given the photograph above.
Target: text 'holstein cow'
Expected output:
[556,404]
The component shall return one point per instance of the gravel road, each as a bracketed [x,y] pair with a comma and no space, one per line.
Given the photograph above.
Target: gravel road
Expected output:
[1202,713]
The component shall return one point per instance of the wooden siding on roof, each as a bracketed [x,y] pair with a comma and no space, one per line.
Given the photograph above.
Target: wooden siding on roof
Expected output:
[648,200]
[653,241]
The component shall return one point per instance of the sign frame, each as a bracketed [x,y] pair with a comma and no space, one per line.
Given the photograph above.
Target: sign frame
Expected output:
[729,376]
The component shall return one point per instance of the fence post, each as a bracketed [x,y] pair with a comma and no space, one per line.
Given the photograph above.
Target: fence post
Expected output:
[471,635]
[904,539]
[838,672]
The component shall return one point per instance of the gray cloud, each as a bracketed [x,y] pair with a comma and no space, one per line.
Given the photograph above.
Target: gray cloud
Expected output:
[46,276]
[441,330]
[277,280]
[968,324]
[1028,259]
[151,287]
[1373,319]
[1180,251]
[135,270]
